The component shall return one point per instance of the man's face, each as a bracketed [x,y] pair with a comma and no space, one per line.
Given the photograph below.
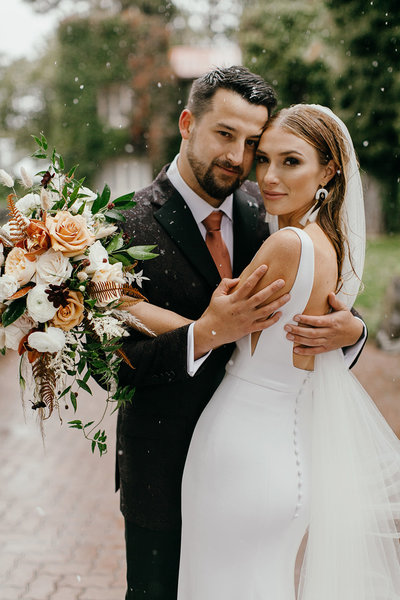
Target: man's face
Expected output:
[219,148]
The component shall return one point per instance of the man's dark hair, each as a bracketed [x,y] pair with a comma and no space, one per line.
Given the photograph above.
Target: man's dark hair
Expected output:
[248,85]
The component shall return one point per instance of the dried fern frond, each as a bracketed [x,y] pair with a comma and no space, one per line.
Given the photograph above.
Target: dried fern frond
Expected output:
[18,223]
[5,238]
[124,357]
[107,291]
[45,382]
[128,290]
[104,291]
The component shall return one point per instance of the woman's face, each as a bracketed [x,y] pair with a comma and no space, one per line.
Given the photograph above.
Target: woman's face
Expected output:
[289,174]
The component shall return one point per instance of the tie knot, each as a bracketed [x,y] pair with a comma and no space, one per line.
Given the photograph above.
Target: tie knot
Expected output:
[213,221]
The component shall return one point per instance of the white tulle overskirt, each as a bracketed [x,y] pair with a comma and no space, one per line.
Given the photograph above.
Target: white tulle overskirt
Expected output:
[353,550]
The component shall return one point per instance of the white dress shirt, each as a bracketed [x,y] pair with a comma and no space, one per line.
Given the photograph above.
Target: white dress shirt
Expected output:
[200,210]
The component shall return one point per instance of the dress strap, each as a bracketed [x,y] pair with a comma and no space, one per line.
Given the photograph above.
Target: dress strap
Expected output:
[303,284]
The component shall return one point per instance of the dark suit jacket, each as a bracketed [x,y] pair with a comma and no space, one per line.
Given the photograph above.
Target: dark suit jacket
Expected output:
[154,432]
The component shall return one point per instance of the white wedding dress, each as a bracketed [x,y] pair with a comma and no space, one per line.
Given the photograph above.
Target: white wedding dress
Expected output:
[246,485]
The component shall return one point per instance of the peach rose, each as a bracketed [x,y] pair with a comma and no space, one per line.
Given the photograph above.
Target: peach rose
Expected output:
[71,315]
[19,266]
[69,233]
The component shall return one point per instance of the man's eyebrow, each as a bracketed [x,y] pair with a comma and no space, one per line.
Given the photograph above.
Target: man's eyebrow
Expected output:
[225,126]
[254,136]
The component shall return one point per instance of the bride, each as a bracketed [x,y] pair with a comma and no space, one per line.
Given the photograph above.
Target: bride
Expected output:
[288,446]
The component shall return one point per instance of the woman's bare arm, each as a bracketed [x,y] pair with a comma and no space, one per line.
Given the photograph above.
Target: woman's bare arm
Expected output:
[156,319]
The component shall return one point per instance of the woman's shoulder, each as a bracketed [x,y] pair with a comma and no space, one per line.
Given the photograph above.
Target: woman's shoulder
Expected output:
[281,246]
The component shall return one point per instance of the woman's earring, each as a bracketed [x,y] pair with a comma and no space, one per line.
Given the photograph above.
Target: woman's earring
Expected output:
[321,194]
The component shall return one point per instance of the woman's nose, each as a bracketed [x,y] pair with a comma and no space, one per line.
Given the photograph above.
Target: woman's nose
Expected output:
[270,175]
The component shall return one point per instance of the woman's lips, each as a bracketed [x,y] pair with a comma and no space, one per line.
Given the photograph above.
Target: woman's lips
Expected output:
[273,195]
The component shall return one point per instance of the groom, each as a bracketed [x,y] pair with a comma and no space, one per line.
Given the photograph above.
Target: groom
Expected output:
[174,374]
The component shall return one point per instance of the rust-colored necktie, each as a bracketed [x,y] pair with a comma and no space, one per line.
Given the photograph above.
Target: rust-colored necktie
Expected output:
[216,244]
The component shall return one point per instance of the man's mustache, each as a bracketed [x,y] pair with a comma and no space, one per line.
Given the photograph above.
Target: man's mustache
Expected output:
[227,165]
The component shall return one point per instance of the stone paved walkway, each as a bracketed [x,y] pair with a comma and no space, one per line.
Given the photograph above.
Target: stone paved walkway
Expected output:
[61,533]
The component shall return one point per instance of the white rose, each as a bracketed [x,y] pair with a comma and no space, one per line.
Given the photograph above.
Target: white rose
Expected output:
[52,340]
[11,335]
[8,286]
[52,267]
[1,255]
[28,204]
[38,304]
[97,256]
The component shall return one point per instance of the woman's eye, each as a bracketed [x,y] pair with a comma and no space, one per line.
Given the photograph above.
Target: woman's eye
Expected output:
[291,161]
[261,160]
[224,133]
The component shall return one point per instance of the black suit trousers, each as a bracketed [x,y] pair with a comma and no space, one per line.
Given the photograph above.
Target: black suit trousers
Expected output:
[152,559]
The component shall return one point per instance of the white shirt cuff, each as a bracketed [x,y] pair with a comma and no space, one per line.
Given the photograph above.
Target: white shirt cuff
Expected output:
[193,365]
[352,352]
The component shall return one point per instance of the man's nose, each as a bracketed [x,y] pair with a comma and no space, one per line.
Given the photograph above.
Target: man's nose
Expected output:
[235,154]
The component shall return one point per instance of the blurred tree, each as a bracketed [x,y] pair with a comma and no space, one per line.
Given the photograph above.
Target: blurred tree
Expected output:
[285,42]
[104,90]
[368,89]
[164,8]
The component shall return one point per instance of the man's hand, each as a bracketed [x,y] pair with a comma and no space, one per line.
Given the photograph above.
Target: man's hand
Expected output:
[230,316]
[328,332]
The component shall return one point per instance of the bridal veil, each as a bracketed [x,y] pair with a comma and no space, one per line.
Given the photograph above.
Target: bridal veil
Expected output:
[353,550]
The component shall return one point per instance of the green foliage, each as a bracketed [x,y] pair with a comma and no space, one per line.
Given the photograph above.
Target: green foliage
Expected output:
[368,89]
[382,263]
[284,41]
[87,58]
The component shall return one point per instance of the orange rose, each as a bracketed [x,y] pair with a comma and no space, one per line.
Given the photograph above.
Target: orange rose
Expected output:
[69,233]
[71,315]
[38,240]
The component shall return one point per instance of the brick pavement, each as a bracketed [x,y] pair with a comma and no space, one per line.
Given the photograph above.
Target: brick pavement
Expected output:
[61,533]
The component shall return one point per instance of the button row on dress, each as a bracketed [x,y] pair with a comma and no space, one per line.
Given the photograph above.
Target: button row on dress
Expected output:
[296,450]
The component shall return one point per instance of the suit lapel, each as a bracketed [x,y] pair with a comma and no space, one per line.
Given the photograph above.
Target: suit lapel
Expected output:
[176,218]
[245,220]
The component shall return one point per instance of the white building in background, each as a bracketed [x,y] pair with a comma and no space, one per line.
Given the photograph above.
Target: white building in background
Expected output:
[115,103]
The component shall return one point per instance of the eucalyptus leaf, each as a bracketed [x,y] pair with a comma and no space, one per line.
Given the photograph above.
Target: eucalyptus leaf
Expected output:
[141,252]
[115,243]
[125,260]
[114,215]
[13,311]
[82,384]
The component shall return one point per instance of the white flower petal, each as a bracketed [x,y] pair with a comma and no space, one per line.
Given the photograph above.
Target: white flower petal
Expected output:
[52,340]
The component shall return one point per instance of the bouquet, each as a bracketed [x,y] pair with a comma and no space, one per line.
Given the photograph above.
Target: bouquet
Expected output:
[64,269]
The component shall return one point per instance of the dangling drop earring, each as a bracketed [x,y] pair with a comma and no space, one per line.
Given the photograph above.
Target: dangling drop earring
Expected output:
[321,194]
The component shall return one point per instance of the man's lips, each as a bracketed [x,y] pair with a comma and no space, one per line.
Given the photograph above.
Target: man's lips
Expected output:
[229,170]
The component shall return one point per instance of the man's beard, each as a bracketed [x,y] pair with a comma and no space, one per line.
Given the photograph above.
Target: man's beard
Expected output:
[207,180]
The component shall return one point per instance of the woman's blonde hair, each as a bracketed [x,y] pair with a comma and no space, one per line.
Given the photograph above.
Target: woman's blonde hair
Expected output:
[324,134]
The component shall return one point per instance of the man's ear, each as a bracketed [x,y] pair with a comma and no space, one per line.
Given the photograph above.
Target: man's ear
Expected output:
[330,171]
[186,123]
